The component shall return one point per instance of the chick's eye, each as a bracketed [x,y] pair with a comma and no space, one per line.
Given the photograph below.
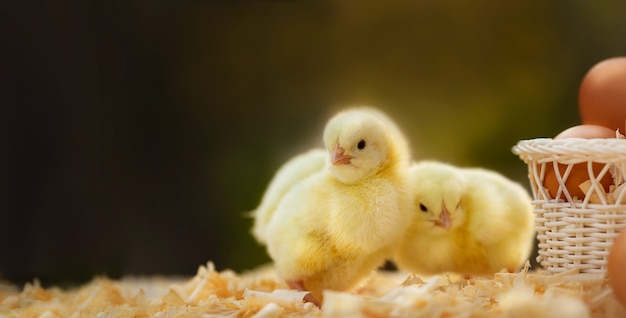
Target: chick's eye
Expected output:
[423,207]
[361,145]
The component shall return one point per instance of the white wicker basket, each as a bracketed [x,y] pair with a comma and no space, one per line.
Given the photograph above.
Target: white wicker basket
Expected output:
[575,233]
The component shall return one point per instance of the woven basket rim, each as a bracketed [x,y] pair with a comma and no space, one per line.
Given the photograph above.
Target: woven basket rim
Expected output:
[596,149]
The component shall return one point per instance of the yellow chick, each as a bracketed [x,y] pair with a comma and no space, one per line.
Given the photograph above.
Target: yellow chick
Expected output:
[293,171]
[468,221]
[334,228]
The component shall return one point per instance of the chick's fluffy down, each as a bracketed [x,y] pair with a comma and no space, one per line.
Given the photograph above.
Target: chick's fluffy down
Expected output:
[491,222]
[291,173]
[334,250]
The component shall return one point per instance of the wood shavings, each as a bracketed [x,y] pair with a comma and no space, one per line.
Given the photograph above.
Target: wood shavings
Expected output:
[281,297]
[593,197]
[261,294]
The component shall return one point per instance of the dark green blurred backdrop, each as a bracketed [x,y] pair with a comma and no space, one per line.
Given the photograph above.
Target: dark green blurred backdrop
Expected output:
[135,134]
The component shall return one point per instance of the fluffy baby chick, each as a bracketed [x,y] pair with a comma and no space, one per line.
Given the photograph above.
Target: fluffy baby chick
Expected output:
[293,171]
[334,228]
[466,221]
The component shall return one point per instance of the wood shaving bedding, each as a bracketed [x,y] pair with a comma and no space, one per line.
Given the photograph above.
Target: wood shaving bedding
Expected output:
[260,293]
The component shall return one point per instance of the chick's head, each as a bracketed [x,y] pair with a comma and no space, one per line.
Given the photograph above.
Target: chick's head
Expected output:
[362,142]
[438,197]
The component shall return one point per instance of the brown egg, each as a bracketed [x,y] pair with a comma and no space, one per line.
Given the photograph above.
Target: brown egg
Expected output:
[616,268]
[587,132]
[579,172]
[602,94]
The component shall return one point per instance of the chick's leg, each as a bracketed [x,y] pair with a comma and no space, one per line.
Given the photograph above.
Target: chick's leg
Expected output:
[296,284]
[299,285]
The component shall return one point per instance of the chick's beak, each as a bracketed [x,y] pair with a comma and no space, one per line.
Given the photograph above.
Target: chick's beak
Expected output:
[444,219]
[339,157]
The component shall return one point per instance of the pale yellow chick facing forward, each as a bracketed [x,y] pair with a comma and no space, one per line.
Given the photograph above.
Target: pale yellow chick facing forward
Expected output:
[334,228]
[469,221]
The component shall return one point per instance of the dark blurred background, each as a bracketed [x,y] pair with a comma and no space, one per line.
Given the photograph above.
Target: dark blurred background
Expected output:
[136,134]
